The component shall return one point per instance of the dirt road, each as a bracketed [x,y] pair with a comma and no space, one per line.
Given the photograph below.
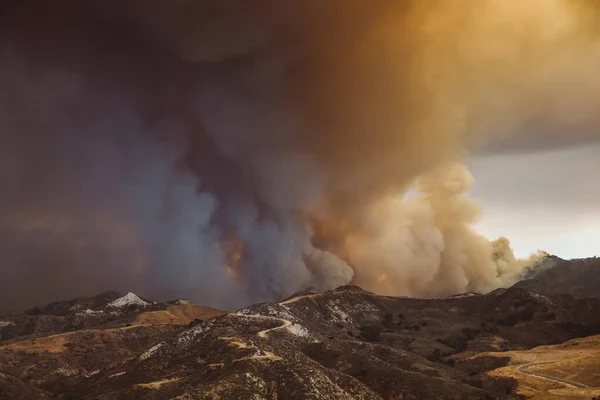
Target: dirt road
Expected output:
[524,369]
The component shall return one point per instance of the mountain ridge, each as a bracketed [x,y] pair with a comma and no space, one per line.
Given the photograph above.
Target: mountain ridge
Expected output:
[340,344]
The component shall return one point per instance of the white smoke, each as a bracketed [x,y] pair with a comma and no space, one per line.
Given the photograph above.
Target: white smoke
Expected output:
[427,245]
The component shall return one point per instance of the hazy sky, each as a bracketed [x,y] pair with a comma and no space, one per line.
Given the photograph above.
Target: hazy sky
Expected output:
[545,199]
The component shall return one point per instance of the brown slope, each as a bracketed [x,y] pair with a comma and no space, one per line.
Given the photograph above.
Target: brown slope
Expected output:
[56,361]
[178,314]
[274,346]
[346,343]
[12,388]
[85,313]
[568,370]
[557,276]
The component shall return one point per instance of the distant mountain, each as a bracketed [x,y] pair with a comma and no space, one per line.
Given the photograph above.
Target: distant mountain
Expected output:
[554,275]
[129,300]
[343,344]
[64,308]
[106,310]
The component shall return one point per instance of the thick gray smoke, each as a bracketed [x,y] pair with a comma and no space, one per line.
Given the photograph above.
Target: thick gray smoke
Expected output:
[226,150]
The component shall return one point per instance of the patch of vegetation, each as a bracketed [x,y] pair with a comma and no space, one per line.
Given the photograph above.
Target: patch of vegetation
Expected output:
[435,355]
[448,361]
[490,328]
[195,363]
[502,385]
[580,329]
[527,314]
[388,320]
[524,302]
[358,368]
[322,354]
[460,341]
[476,382]
[370,332]
[469,333]
[515,317]
[228,360]
[509,320]
[411,327]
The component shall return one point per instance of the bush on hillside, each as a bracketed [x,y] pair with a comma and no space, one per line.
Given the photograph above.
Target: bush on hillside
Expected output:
[370,332]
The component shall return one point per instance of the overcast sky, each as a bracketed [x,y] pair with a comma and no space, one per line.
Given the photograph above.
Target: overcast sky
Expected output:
[545,199]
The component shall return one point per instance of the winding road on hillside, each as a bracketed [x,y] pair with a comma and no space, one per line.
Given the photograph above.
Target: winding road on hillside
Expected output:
[264,333]
[284,322]
[524,369]
[295,299]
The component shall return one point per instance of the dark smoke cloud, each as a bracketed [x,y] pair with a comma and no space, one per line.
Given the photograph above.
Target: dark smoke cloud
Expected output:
[203,148]
[136,136]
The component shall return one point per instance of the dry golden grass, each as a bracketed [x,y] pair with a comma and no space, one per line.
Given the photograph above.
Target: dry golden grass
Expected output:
[90,339]
[576,361]
[157,384]
[51,344]
[236,342]
[178,314]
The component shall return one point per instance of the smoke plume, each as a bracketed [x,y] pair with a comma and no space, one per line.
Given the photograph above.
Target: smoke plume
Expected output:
[239,151]
[427,244]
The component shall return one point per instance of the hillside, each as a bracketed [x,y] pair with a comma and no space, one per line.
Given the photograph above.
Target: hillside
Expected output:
[557,276]
[108,310]
[568,370]
[345,343]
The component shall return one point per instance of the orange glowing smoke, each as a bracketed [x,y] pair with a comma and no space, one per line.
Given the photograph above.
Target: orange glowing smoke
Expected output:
[232,246]
[330,234]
